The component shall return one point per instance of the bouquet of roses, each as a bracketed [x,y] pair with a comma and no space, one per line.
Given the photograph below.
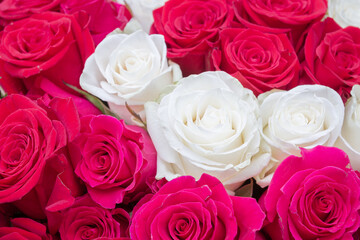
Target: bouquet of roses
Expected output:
[179,119]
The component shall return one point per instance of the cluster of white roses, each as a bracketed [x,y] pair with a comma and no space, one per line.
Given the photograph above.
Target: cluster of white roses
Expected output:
[209,123]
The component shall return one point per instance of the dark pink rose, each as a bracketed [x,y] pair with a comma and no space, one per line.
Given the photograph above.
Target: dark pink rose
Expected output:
[87,220]
[261,61]
[190,28]
[105,15]
[315,196]
[187,209]
[30,134]
[49,44]
[332,56]
[286,16]
[113,159]
[12,10]
[24,229]
[49,88]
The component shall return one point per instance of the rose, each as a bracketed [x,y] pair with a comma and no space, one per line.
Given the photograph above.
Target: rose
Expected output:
[12,10]
[292,17]
[128,68]
[113,159]
[332,56]
[313,196]
[105,15]
[349,137]
[84,106]
[305,116]
[49,44]
[190,28]
[186,209]
[142,11]
[208,124]
[87,220]
[345,12]
[31,134]
[260,61]
[24,228]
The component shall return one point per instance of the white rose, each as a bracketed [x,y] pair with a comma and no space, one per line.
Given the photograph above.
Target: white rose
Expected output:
[306,116]
[208,124]
[349,140]
[129,68]
[142,11]
[345,12]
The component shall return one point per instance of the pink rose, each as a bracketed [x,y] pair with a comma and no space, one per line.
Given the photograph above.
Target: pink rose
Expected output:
[287,16]
[87,220]
[260,61]
[332,56]
[190,28]
[105,15]
[113,159]
[313,196]
[12,10]
[31,134]
[50,89]
[24,229]
[52,45]
[187,209]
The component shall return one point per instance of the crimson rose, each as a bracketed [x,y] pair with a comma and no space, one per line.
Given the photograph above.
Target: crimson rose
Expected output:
[332,56]
[261,61]
[286,16]
[190,28]
[50,44]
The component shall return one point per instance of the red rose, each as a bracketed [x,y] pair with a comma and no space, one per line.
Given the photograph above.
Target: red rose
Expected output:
[12,10]
[30,135]
[332,56]
[261,61]
[288,16]
[50,44]
[105,15]
[190,28]
[113,159]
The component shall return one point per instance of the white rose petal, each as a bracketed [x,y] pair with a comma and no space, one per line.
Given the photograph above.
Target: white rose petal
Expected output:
[345,12]
[128,68]
[208,124]
[349,140]
[142,11]
[306,116]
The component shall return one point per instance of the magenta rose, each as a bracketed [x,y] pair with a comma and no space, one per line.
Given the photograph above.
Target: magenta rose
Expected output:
[332,56]
[31,134]
[87,220]
[24,229]
[190,28]
[50,44]
[315,196]
[84,106]
[187,209]
[261,61]
[105,15]
[12,10]
[287,16]
[113,159]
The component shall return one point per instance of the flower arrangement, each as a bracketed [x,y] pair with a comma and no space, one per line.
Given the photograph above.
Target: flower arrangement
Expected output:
[179,119]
